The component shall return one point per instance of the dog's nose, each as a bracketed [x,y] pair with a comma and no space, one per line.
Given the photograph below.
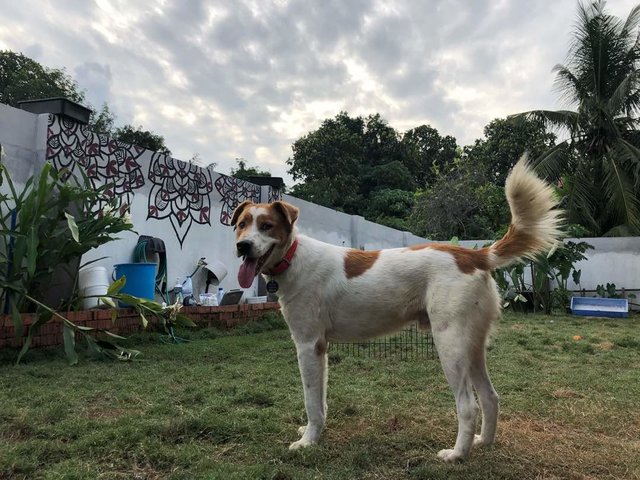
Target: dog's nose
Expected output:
[244,247]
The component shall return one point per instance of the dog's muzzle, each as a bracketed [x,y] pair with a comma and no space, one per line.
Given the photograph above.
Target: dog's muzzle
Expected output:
[244,248]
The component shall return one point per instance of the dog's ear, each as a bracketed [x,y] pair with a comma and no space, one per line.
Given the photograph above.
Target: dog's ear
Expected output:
[288,211]
[239,209]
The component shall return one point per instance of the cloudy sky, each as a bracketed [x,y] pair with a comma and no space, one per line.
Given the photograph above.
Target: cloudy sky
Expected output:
[245,78]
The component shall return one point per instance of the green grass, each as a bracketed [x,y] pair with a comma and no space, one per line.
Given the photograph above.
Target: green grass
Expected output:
[227,405]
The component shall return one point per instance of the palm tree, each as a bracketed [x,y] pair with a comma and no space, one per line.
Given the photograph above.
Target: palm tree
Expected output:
[599,162]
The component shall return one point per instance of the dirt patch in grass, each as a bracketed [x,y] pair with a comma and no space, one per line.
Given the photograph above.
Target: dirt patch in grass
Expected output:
[605,346]
[565,393]
[103,413]
[559,447]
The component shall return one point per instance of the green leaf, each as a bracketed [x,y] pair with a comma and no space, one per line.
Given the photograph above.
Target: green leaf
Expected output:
[16,318]
[69,336]
[94,349]
[145,322]
[108,301]
[33,329]
[85,329]
[32,250]
[117,286]
[114,335]
[71,222]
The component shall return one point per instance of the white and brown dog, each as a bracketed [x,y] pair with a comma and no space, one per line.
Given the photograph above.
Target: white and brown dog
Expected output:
[329,293]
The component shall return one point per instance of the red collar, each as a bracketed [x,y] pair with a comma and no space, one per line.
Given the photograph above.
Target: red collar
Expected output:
[283,264]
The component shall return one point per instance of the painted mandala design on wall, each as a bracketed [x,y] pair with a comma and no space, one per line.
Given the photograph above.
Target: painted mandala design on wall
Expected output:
[104,159]
[275,194]
[180,192]
[233,192]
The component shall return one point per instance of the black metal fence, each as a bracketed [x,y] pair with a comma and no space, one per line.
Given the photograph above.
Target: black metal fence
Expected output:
[409,343]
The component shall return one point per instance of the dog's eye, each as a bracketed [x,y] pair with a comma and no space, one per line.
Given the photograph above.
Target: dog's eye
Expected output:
[241,225]
[266,226]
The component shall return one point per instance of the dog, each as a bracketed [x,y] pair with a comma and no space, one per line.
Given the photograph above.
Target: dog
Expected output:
[329,293]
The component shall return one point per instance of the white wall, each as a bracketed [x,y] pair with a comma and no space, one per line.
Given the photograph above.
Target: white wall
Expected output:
[613,260]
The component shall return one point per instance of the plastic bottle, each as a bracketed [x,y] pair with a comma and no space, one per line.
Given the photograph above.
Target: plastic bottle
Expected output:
[187,292]
[177,291]
[187,287]
[220,295]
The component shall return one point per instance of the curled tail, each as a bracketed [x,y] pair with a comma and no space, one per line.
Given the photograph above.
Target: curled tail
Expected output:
[535,222]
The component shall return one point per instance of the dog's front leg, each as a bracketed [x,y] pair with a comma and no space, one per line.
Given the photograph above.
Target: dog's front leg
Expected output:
[312,361]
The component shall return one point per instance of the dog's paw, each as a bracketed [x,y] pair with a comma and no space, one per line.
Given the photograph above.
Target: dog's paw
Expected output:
[302,429]
[302,443]
[478,441]
[449,456]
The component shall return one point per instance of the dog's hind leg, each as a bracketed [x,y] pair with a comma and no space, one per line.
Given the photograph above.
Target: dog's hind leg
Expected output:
[312,361]
[453,350]
[489,400]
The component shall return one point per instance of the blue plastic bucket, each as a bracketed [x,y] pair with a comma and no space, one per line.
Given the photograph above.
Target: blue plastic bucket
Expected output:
[141,278]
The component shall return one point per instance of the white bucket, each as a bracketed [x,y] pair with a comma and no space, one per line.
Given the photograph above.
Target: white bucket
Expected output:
[92,281]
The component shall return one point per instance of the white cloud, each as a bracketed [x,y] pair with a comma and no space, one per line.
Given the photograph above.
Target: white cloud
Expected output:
[232,78]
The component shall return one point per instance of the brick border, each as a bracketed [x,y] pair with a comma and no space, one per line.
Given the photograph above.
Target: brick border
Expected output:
[127,322]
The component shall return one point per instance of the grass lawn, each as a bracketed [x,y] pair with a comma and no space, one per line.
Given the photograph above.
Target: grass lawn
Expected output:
[227,405]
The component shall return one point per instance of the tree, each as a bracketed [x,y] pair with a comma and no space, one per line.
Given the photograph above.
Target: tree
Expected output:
[599,164]
[22,78]
[428,153]
[101,121]
[461,202]
[390,207]
[243,171]
[143,138]
[505,141]
[329,161]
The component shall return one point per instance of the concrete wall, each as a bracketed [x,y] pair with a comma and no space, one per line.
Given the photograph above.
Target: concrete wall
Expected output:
[613,260]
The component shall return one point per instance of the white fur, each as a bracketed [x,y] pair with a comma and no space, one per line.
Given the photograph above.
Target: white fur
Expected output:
[320,304]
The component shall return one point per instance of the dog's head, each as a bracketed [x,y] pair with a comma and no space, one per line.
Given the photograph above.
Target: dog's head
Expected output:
[263,230]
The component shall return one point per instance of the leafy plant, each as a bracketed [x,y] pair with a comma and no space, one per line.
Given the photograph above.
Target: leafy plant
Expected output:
[608,291]
[559,265]
[49,224]
[512,286]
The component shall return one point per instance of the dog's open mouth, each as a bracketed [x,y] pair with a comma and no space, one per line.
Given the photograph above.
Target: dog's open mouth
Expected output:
[251,267]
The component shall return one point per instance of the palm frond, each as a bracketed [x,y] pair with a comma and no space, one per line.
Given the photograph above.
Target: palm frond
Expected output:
[552,164]
[631,23]
[623,206]
[579,202]
[558,119]
[630,155]
[570,87]
[619,102]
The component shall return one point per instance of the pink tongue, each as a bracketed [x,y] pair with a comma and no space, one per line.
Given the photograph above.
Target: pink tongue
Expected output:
[247,272]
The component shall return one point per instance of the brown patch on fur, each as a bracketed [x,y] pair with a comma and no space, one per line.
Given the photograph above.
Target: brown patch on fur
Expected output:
[356,262]
[239,209]
[514,244]
[245,218]
[467,259]
[287,211]
[321,347]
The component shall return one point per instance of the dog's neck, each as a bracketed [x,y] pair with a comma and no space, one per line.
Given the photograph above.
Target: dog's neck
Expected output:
[283,256]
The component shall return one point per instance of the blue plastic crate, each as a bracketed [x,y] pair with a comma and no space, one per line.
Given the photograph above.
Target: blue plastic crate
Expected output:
[600,307]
